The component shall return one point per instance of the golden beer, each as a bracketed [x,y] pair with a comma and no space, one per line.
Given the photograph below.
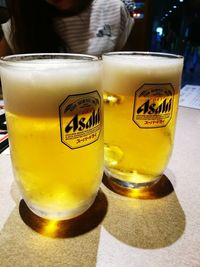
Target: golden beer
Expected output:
[54,116]
[141,94]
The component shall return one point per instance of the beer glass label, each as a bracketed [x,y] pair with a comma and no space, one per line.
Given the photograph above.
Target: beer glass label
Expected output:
[153,105]
[80,119]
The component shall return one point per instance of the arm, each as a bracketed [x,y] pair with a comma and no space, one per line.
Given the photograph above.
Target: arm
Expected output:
[4,51]
[4,48]
[125,40]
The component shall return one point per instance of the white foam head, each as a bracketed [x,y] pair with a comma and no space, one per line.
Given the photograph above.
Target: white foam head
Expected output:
[47,82]
[126,72]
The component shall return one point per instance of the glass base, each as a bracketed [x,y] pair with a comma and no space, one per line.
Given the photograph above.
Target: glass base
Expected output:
[60,215]
[143,190]
[125,179]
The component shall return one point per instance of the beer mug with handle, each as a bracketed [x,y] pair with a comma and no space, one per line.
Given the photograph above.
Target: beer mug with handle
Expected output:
[53,108]
[141,94]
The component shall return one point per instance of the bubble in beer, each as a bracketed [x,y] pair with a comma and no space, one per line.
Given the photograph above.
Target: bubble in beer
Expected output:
[112,98]
[113,155]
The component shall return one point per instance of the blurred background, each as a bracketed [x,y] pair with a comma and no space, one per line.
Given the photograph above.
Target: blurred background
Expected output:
[171,26]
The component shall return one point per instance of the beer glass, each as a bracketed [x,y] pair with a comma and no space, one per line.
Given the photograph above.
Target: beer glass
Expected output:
[53,108]
[141,94]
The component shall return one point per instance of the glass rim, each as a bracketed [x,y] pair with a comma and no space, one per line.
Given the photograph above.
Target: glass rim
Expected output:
[143,53]
[30,57]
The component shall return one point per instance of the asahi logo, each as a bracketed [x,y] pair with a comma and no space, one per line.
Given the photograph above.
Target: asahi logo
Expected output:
[153,105]
[79,123]
[153,108]
[80,119]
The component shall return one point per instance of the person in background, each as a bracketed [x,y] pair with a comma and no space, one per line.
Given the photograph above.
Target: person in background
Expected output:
[193,43]
[74,26]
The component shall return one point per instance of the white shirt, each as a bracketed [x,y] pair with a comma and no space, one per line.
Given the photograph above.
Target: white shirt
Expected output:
[104,26]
